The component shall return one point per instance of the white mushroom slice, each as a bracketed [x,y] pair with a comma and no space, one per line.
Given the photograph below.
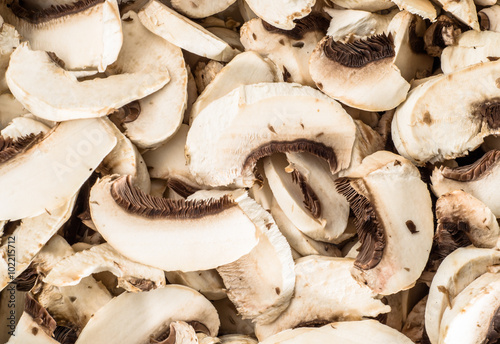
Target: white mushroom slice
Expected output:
[277,117]
[184,33]
[424,8]
[472,47]
[147,315]
[345,332]
[237,339]
[485,2]
[205,72]
[260,191]
[227,35]
[395,239]
[324,291]
[23,126]
[473,316]
[290,50]
[365,5]
[201,8]
[414,325]
[464,10]
[422,130]
[49,92]
[281,13]
[206,282]
[10,108]
[9,40]
[361,74]
[162,233]
[479,179]
[456,272]
[230,320]
[245,69]
[47,174]
[489,18]
[180,332]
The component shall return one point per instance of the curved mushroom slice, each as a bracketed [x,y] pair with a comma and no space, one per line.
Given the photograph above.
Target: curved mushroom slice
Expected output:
[489,18]
[454,274]
[325,291]
[281,13]
[414,325]
[9,40]
[237,339]
[245,69]
[479,179]
[201,8]
[147,315]
[424,8]
[206,282]
[395,239]
[272,118]
[230,320]
[21,127]
[10,108]
[422,129]
[184,33]
[444,32]
[260,191]
[473,316]
[464,10]
[361,74]
[50,172]
[365,5]
[49,92]
[162,233]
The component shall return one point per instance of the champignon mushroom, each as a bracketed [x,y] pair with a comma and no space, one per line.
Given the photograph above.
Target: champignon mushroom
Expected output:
[237,339]
[206,282]
[201,8]
[424,8]
[489,18]
[444,32]
[281,13]
[464,10]
[365,5]
[205,72]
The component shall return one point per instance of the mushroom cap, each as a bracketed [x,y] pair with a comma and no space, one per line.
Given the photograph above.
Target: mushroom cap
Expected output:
[281,13]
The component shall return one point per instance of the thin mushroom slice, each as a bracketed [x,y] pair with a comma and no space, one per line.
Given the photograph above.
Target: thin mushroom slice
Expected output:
[9,41]
[201,8]
[423,8]
[479,179]
[455,273]
[489,18]
[206,282]
[395,239]
[49,172]
[85,35]
[281,13]
[237,339]
[162,233]
[23,126]
[148,315]
[361,74]
[325,291]
[422,130]
[184,33]
[365,5]
[464,10]
[180,332]
[273,118]
[50,92]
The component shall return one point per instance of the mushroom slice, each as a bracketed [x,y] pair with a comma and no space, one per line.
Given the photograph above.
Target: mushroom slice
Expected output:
[473,315]
[325,291]
[9,40]
[361,74]
[424,8]
[472,47]
[131,275]
[272,118]
[201,8]
[148,315]
[422,129]
[49,92]
[290,50]
[230,320]
[205,72]
[227,35]
[414,325]
[455,273]
[281,13]
[22,127]
[179,332]
[365,5]
[444,32]
[206,282]
[489,18]
[10,108]
[245,69]
[395,239]
[464,10]
[478,179]
[184,33]
[162,233]
[237,339]
[48,173]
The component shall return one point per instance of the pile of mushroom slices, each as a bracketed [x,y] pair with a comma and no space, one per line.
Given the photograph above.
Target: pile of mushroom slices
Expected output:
[229,171]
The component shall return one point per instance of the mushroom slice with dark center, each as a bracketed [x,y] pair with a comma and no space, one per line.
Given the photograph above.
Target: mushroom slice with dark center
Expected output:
[231,134]
[325,291]
[281,13]
[489,18]
[423,8]
[201,8]
[162,233]
[479,179]
[427,129]
[464,10]
[361,74]
[148,315]
[379,192]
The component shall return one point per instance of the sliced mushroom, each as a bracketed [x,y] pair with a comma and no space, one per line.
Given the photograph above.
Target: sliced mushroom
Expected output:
[231,134]
[10,108]
[206,282]
[361,74]
[230,320]
[148,315]
[9,40]
[464,10]
[184,33]
[21,127]
[179,332]
[201,8]
[261,191]
[444,32]
[414,325]
[325,291]
[424,8]
[281,13]
[489,18]
[365,5]
[229,36]
[395,239]
[205,72]
[237,339]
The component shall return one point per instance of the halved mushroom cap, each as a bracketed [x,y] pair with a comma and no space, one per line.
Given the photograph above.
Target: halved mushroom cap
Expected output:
[48,91]
[348,332]
[365,5]
[184,33]
[148,315]
[10,108]
[455,273]
[237,339]
[48,173]
[163,233]
[414,325]
[464,10]
[231,134]
[290,50]
[395,239]
[473,316]
[472,47]
[422,129]
[479,179]
[281,13]
[489,18]
[245,69]
[361,74]
[325,291]
[423,8]
[442,33]
[9,40]
[201,8]
[206,282]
